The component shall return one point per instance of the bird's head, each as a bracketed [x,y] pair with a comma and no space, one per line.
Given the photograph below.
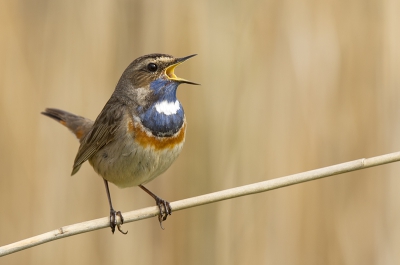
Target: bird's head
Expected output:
[151,78]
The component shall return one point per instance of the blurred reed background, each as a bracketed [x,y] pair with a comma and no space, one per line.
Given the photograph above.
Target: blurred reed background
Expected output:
[287,86]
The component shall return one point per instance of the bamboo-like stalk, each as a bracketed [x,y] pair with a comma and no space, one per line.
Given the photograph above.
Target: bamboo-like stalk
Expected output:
[148,212]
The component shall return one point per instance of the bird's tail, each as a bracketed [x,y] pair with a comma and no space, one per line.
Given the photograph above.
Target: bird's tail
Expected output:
[80,126]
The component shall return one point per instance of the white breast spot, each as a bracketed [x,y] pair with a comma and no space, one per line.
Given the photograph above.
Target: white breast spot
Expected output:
[167,107]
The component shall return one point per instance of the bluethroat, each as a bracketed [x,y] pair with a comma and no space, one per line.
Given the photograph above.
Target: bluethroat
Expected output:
[139,132]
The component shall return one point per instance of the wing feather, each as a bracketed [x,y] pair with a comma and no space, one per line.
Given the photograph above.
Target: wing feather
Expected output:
[102,133]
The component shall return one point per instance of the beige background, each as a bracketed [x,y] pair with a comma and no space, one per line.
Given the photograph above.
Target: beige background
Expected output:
[287,86]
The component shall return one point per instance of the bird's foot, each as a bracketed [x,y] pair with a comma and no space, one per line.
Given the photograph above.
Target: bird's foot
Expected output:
[163,205]
[114,222]
[165,210]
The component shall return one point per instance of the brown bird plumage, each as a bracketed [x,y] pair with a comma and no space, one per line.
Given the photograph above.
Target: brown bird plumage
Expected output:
[139,132]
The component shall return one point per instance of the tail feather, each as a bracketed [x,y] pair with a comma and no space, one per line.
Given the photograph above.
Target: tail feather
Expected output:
[51,113]
[80,126]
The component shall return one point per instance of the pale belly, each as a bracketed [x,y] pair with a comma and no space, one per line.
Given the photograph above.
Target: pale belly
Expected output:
[130,163]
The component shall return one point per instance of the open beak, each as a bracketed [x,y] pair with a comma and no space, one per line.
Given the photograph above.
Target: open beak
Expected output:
[169,71]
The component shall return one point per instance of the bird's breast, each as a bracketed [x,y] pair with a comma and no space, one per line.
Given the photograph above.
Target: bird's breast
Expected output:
[164,118]
[145,138]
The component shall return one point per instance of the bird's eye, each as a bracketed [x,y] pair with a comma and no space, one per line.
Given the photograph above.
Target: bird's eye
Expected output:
[152,67]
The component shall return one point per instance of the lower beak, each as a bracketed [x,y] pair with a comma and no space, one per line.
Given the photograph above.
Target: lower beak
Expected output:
[169,71]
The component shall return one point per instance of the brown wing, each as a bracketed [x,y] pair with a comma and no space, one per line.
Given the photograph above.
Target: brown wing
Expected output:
[102,133]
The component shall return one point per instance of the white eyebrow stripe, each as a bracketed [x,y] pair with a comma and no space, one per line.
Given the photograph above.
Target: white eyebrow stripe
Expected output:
[168,108]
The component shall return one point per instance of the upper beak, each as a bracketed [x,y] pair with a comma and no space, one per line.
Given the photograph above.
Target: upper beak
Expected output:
[169,71]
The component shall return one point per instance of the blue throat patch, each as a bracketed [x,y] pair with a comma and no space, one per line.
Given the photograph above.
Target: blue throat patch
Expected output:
[159,123]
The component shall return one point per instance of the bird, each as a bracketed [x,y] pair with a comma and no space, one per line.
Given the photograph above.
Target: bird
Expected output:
[138,134]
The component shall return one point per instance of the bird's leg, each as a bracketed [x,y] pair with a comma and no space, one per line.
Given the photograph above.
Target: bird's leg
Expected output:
[163,205]
[113,213]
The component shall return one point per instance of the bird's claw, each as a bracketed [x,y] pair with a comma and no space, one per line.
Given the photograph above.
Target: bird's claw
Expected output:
[165,210]
[114,222]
